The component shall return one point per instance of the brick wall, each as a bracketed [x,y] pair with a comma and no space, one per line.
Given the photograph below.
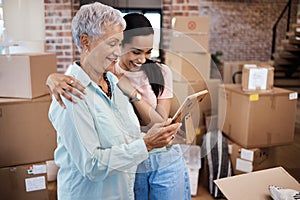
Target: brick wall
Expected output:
[58,17]
[241,29]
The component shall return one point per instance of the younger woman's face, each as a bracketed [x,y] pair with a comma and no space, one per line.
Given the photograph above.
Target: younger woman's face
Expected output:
[135,53]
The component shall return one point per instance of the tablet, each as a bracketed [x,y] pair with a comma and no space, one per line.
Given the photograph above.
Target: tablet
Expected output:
[188,105]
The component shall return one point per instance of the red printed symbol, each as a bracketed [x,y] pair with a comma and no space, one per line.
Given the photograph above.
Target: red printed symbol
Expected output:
[191,25]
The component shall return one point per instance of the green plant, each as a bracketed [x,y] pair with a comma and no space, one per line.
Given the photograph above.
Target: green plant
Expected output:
[215,59]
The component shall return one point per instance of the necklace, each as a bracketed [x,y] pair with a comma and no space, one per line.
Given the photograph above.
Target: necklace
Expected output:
[108,93]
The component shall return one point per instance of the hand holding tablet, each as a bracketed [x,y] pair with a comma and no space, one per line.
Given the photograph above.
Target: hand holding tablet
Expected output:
[188,105]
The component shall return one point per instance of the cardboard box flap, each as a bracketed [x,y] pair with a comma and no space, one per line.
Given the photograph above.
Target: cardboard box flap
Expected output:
[189,24]
[238,89]
[255,185]
[6,101]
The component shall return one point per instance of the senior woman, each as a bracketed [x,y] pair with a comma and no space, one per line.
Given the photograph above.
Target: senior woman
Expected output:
[99,138]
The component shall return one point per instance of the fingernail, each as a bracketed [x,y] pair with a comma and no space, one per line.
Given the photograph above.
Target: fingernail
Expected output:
[75,101]
[84,92]
[81,97]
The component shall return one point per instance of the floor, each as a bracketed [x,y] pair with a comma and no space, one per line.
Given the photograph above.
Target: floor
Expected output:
[287,157]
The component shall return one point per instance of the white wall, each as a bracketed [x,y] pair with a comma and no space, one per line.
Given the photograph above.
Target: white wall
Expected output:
[25,24]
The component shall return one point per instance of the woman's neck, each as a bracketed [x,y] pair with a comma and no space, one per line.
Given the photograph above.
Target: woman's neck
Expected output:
[123,65]
[95,74]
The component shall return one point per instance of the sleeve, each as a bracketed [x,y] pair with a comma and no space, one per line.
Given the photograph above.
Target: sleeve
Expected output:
[76,129]
[168,78]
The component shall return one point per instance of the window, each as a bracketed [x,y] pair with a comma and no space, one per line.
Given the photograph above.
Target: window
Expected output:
[151,9]
[1,27]
[1,21]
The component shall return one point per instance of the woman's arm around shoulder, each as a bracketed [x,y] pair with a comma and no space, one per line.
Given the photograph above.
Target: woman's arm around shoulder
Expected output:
[58,84]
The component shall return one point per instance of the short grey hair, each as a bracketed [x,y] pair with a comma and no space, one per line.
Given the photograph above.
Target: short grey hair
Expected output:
[93,19]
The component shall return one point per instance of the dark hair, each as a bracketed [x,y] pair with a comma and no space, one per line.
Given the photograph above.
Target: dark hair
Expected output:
[138,25]
[155,76]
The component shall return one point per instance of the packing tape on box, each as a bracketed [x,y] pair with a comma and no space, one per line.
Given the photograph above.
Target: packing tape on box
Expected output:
[254,97]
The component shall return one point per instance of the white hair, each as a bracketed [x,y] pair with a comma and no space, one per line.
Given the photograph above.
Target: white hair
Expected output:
[93,19]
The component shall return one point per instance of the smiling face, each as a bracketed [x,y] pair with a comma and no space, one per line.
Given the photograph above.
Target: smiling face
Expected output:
[135,53]
[99,54]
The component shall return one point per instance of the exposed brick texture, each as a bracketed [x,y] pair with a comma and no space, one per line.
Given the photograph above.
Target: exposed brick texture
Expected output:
[58,17]
[241,29]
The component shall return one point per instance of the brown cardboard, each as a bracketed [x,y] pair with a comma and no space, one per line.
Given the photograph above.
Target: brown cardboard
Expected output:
[231,67]
[52,190]
[200,131]
[191,24]
[255,185]
[189,66]
[247,160]
[189,42]
[191,34]
[262,77]
[27,135]
[26,182]
[211,120]
[24,75]
[257,119]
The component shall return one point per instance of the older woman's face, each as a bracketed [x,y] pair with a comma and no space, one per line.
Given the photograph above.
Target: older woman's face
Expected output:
[105,49]
[135,53]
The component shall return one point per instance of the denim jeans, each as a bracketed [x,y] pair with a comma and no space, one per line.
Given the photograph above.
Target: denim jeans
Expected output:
[163,176]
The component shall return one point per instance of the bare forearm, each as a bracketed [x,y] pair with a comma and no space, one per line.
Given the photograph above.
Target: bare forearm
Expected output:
[147,115]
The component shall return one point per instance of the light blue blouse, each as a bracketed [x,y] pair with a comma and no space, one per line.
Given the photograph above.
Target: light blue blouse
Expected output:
[99,143]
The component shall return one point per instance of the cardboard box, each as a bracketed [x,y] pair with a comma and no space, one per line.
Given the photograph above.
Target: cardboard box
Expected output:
[52,190]
[236,67]
[200,131]
[188,24]
[24,75]
[257,119]
[257,77]
[189,42]
[26,182]
[27,136]
[188,66]
[231,68]
[255,185]
[191,34]
[211,120]
[247,160]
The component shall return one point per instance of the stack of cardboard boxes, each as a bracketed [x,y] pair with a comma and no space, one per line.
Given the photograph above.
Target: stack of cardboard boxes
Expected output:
[28,139]
[190,61]
[256,119]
